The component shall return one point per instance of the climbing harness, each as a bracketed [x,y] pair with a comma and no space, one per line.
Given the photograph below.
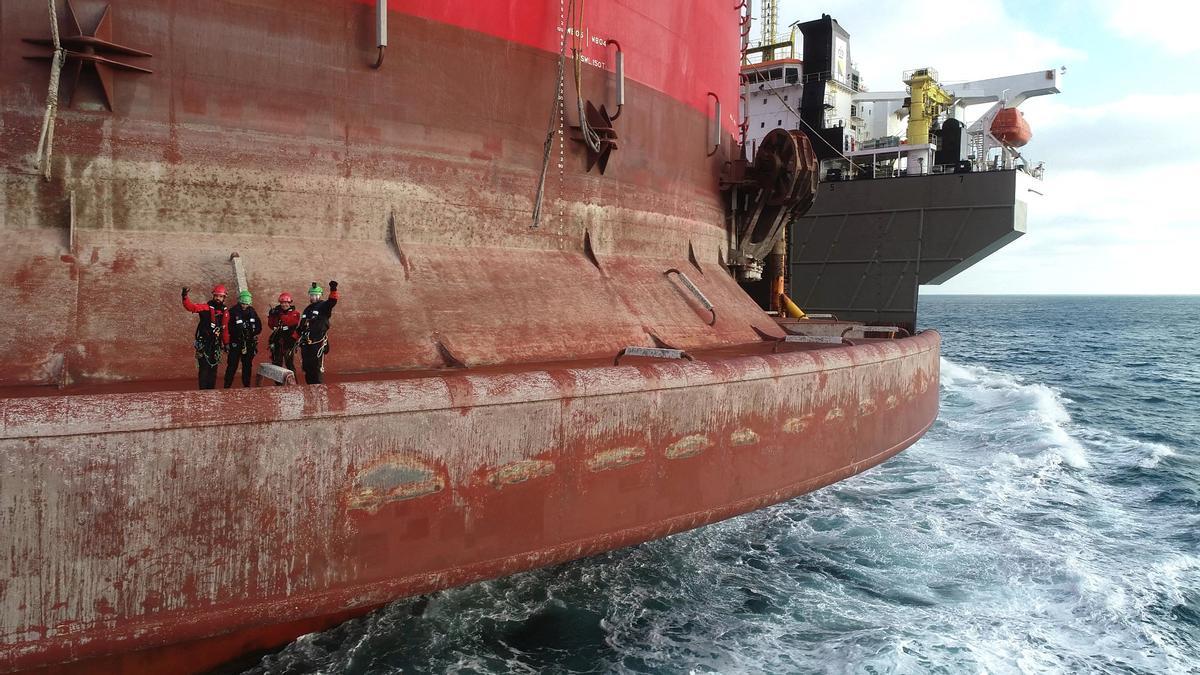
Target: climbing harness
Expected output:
[208,347]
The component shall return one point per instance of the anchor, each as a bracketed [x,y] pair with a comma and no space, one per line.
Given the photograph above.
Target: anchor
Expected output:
[601,124]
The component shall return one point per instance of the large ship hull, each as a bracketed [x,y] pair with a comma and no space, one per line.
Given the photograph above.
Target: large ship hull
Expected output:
[475,424]
[147,521]
[264,131]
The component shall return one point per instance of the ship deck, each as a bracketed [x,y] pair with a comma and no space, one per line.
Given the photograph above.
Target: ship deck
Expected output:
[817,327]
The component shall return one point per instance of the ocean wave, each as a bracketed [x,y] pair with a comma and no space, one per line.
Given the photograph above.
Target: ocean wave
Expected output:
[1019,535]
[1034,415]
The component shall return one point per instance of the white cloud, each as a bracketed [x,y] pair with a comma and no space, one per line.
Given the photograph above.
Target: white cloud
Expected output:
[1167,25]
[1100,232]
[964,41]
[1142,198]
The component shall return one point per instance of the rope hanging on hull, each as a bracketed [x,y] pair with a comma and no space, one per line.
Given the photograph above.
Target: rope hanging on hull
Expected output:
[556,110]
[590,137]
[45,147]
[595,128]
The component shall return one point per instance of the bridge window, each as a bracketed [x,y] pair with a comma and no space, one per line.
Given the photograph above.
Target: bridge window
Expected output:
[765,75]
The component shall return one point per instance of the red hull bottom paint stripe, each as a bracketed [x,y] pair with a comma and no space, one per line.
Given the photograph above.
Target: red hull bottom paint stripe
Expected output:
[203,655]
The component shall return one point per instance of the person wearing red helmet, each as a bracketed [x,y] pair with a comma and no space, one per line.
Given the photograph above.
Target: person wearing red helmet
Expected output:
[283,320]
[212,334]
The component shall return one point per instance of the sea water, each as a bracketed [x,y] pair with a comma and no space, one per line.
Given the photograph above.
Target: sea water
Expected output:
[1048,522]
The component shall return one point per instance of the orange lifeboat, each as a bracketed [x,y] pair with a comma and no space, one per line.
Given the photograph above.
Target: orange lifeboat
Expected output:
[1011,128]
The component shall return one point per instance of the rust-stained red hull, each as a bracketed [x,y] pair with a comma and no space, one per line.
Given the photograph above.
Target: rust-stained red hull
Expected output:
[412,184]
[150,529]
[162,524]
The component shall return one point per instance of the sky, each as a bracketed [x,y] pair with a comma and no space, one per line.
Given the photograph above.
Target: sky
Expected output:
[1121,147]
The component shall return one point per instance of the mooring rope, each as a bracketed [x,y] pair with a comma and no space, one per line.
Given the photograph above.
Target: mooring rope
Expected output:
[46,142]
[590,137]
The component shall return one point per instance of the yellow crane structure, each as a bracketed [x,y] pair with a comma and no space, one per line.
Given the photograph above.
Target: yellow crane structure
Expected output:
[927,100]
[769,39]
[770,24]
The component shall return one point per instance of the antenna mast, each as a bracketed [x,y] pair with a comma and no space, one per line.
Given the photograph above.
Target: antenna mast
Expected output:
[770,26]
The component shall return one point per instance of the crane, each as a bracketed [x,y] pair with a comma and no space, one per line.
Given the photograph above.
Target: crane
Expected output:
[769,40]
[927,100]
[770,24]
[1008,91]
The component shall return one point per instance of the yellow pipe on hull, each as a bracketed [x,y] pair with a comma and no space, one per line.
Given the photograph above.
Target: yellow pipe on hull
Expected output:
[791,309]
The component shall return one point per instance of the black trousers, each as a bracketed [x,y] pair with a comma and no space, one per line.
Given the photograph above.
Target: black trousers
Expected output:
[312,357]
[283,357]
[247,360]
[208,366]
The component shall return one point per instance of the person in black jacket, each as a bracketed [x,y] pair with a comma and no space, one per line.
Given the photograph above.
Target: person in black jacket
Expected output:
[314,331]
[244,328]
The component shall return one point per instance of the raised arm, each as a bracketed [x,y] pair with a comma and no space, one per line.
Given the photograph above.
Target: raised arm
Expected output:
[191,306]
[333,298]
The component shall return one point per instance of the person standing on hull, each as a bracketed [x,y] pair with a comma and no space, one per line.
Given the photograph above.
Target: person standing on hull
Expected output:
[283,320]
[244,328]
[212,334]
[314,331]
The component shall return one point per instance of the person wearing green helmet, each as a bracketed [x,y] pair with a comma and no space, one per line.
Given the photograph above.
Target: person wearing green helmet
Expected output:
[314,332]
[244,328]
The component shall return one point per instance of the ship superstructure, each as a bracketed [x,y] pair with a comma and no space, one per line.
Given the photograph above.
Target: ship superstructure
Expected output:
[917,184]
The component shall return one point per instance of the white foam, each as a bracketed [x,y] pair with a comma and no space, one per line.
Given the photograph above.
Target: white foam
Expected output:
[1157,452]
[1001,400]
